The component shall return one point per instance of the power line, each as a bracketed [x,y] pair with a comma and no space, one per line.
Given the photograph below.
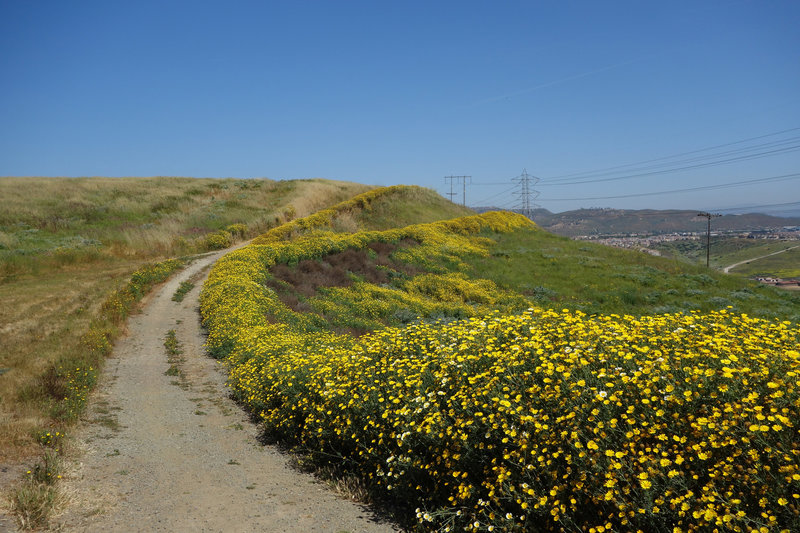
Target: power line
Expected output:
[507,205]
[579,175]
[744,153]
[640,213]
[690,189]
[661,213]
[666,170]
[463,180]
[763,206]
[502,193]
[700,158]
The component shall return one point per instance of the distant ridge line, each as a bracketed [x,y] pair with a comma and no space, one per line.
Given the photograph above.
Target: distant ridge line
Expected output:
[604,221]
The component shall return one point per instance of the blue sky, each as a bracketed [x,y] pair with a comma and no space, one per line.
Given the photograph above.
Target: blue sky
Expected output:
[409,92]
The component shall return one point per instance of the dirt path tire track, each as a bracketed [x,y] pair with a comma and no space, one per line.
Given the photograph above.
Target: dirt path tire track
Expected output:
[162,457]
[730,267]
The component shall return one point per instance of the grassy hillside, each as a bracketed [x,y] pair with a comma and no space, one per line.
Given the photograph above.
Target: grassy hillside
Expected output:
[67,244]
[781,265]
[728,251]
[386,207]
[480,373]
[556,271]
[409,205]
[58,222]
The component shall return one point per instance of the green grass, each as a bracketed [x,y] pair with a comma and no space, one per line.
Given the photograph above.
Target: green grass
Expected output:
[32,504]
[175,359]
[733,250]
[782,265]
[182,290]
[558,272]
[726,251]
[380,283]
[688,250]
[384,284]
[34,499]
[412,205]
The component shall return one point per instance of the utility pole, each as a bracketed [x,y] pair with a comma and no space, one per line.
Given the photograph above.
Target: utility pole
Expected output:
[451,193]
[709,216]
[463,179]
[526,193]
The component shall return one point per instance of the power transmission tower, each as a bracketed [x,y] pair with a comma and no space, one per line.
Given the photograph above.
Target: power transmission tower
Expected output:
[463,179]
[709,216]
[526,193]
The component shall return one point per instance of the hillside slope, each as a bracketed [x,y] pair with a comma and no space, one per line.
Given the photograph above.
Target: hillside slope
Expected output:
[428,361]
[754,255]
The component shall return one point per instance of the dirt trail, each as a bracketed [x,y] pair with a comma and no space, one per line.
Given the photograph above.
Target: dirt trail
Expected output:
[165,453]
[729,267]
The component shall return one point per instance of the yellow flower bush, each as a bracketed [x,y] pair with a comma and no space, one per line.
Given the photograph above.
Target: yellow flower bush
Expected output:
[546,420]
[238,230]
[217,240]
[69,381]
[118,304]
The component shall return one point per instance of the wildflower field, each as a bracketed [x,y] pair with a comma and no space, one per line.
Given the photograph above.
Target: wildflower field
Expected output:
[469,407]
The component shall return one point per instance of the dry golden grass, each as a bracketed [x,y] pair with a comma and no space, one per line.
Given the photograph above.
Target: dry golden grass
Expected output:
[42,320]
[51,288]
[150,216]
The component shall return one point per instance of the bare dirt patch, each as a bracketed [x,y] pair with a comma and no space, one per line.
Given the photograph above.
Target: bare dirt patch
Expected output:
[374,265]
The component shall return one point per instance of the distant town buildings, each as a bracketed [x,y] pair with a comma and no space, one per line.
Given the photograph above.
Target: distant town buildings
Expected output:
[646,243]
[646,240]
[636,241]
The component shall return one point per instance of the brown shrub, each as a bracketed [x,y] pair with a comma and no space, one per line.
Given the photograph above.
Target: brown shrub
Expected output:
[337,270]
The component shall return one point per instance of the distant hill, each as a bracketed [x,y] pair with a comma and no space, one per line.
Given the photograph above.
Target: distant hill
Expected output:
[607,221]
